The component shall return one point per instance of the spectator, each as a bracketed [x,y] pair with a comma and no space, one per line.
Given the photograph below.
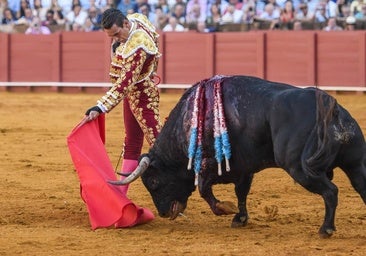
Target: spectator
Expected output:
[304,14]
[195,15]
[163,5]
[173,25]
[50,18]
[27,19]
[221,4]
[297,25]
[76,27]
[145,9]
[331,8]
[193,10]
[20,13]
[344,11]
[312,5]
[320,14]
[248,14]
[214,17]
[161,19]
[247,4]
[287,15]
[99,4]
[45,4]
[3,6]
[173,3]
[362,14]
[14,5]
[8,17]
[58,14]
[179,13]
[110,4]
[281,3]
[259,7]
[125,5]
[140,3]
[36,28]
[39,10]
[64,6]
[93,21]
[77,15]
[356,6]
[238,5]
[85,4]
[350,23]
[332,25]
[276,8]
[270,13]
[232,15]
[201,27]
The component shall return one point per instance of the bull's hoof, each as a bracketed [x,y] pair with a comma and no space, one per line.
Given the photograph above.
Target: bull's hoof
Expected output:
[326,233]
[226,207]
[239,221]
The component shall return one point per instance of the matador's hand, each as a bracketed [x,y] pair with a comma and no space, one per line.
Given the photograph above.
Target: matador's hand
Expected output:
[92,113]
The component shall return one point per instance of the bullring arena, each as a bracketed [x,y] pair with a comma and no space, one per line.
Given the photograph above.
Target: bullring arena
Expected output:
[42,212]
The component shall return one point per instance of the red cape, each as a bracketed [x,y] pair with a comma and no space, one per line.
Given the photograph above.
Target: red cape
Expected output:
[107,204]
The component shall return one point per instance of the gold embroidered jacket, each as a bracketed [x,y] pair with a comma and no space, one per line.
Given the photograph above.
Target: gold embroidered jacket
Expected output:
[133,67]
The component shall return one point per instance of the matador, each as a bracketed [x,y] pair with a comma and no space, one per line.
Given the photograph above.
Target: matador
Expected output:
[134,64]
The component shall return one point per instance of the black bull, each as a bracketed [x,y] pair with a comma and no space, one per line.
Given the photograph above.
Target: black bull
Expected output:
[303,131]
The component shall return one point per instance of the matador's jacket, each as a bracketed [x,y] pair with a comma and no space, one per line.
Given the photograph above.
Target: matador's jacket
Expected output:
[131,73]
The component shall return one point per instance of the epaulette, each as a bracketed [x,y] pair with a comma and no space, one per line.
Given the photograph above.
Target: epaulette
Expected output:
[139,39]
[143,20]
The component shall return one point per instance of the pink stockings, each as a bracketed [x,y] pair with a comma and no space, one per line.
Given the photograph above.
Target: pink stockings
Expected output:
[128,166]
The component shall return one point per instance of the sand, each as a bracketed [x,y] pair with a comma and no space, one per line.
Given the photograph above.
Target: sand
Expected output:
[42,212]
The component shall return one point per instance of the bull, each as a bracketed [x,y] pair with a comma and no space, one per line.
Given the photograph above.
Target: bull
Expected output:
[303,131]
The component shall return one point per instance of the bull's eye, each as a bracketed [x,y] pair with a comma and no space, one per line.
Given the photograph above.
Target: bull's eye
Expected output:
[153,183]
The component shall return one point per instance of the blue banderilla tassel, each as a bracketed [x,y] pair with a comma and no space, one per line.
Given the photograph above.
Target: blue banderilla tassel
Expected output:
[192,147]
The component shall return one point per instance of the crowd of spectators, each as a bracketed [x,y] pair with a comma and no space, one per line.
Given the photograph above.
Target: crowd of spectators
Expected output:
[39,16]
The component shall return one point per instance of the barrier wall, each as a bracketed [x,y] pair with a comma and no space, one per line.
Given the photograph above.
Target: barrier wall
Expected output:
[297,57]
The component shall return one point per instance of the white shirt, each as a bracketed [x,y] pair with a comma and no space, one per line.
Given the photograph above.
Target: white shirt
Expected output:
[169,28]
[80,19]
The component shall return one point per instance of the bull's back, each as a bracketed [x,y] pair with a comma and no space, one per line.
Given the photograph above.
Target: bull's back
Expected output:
[249,107]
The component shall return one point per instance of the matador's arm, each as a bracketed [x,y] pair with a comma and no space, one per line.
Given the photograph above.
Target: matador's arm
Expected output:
[125,73]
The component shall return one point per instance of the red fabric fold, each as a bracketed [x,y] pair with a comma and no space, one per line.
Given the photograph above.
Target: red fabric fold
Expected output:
[107,204]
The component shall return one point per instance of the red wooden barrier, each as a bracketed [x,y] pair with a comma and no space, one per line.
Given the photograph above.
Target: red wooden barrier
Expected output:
[85,57]
[239,53]
[290,57]
[341,58]
[4,58]
[34,58]
[299,58]
[188,57]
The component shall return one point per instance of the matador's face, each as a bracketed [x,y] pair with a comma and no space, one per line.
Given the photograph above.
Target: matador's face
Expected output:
[117,33]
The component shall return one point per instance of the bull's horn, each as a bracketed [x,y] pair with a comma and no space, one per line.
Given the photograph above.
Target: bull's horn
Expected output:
[140,169]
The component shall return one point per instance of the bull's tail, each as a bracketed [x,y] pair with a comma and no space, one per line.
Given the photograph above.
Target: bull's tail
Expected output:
[317,155]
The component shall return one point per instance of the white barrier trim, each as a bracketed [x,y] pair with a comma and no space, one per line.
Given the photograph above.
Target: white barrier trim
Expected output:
[162,86]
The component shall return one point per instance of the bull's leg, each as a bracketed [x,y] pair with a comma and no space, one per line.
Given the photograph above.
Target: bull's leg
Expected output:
[323,186]
[217,207]
[242,190]
[357,176]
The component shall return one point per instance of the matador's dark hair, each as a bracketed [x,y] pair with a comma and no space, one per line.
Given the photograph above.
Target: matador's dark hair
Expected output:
[112,16]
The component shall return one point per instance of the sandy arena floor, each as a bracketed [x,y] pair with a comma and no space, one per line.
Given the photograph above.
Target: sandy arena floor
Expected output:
[42,213]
